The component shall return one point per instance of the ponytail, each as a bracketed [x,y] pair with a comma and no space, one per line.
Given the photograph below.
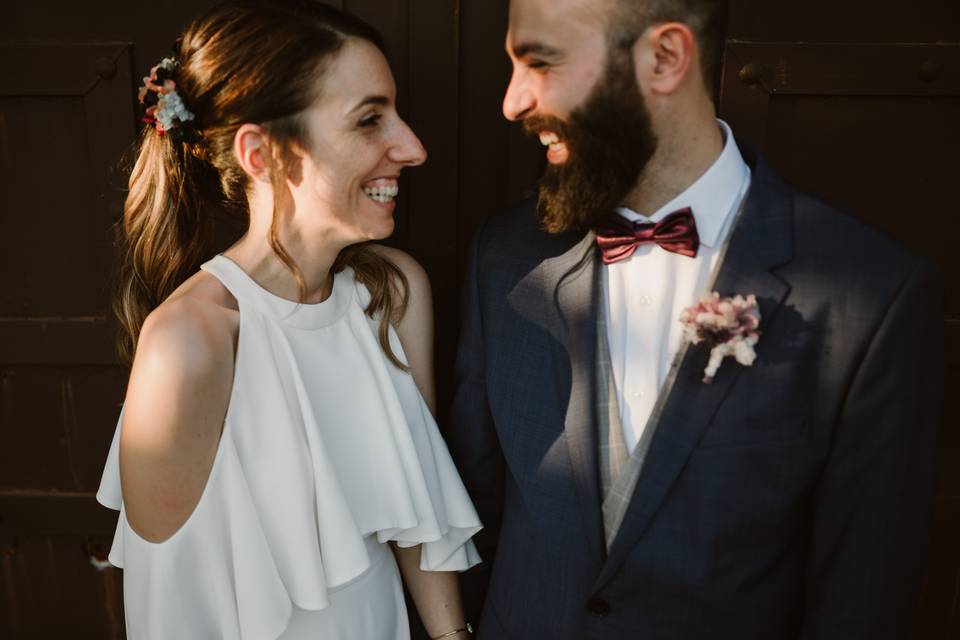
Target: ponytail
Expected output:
[165,233]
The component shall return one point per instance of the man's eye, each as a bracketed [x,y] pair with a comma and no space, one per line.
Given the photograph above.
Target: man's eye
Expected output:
[370,121]
[537,64]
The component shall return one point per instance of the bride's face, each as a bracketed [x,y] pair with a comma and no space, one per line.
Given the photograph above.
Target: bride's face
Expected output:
[358,147]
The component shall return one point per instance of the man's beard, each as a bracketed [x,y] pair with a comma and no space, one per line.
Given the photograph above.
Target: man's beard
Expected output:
[609,139]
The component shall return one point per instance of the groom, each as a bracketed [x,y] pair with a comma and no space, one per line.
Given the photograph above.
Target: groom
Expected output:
[624,496]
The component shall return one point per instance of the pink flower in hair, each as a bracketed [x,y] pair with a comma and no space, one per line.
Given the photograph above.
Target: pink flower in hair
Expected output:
[163,107]
[730,326]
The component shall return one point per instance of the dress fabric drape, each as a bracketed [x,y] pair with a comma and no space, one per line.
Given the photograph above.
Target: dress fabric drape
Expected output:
[328,452]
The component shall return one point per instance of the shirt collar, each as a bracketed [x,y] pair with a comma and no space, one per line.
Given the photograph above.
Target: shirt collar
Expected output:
[712,197]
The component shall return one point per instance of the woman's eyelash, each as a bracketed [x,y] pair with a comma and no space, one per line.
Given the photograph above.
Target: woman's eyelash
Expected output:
[370,120]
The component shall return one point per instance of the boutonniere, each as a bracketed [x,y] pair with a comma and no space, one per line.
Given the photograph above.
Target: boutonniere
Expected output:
[729,326]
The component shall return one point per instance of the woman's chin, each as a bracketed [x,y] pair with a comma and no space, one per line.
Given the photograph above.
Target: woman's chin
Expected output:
[380,230]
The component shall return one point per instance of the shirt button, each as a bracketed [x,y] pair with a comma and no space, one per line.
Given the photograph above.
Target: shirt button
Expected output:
[637,394]
[598,607]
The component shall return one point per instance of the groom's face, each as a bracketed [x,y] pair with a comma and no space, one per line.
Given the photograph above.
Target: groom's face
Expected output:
[558,51]
[583,102]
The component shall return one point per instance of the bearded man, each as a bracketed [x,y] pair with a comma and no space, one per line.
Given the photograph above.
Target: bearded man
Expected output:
[626,491]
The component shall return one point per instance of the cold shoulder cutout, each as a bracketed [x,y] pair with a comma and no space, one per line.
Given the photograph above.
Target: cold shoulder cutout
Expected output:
[328,451]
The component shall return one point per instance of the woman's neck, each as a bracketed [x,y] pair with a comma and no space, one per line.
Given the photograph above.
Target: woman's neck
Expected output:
[314,260]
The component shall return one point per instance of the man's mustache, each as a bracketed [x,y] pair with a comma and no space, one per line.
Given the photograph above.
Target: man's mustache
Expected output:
[534,125]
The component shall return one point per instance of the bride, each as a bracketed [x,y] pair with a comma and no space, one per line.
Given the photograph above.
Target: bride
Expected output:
[276,465]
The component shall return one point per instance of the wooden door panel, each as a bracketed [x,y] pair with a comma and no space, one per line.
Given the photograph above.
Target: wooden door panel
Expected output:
[65,120]
[64,341]
[61,255]
[484,72]
[57,426]
[52,590]
[866,126]
[886,160]
[846,21]
[938,619]
[430,231]
[861,126]
[499,164]
[57,201]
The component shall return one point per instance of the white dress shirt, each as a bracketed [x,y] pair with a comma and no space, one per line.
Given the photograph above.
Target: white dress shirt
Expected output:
[646,293]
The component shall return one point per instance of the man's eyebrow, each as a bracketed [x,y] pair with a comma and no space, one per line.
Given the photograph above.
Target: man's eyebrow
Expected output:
[380,101]
[525,49]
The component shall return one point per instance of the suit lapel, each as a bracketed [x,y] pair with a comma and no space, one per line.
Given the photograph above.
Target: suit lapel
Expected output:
[570,284]
[761,241]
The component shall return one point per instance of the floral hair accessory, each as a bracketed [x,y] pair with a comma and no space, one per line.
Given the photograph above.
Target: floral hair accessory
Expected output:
[163,106]
[730,326]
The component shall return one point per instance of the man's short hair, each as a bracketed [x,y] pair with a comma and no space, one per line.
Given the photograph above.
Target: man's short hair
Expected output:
[706,18]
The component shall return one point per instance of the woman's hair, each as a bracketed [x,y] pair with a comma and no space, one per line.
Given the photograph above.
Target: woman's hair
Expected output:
[239,62]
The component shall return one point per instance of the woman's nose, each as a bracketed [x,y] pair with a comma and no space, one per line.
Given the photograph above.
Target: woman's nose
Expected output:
[408,150]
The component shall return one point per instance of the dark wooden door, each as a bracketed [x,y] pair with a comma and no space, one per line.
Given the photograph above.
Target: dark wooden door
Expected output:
[64,117]
[828,91]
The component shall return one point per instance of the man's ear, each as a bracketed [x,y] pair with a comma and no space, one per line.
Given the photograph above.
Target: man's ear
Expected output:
[252,152]
[664,56]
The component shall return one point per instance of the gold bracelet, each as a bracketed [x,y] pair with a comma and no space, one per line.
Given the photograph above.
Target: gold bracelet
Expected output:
[467,628]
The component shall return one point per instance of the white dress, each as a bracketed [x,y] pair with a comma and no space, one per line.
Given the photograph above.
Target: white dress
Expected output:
[328,452]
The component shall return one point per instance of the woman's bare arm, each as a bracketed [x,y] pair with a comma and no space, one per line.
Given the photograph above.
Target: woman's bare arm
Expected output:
[173,414]
[436,593]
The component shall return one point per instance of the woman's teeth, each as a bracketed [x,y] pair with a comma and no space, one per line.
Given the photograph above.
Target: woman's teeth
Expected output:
[384,194]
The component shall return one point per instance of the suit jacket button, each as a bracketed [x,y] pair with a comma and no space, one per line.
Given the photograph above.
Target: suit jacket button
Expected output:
[598,607]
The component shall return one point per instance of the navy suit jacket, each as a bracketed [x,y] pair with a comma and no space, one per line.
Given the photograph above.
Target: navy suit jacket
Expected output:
[790,499]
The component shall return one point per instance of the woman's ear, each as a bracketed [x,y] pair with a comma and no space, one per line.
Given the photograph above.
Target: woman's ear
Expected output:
[664,56]
[252,152]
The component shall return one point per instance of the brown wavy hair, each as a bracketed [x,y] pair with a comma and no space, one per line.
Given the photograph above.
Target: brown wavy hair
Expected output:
[240,62]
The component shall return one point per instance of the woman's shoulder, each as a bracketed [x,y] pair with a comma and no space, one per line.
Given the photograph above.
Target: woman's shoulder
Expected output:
[416,276]
[194,328]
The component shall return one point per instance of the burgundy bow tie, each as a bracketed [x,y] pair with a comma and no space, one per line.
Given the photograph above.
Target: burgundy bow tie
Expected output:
[618,237]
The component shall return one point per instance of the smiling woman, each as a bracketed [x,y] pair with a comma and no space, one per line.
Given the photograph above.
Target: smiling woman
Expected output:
[277,466]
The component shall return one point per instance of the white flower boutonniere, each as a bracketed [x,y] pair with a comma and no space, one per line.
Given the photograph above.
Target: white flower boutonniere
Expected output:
[730,326]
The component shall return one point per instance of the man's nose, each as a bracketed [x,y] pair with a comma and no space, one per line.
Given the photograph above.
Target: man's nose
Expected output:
[519,100]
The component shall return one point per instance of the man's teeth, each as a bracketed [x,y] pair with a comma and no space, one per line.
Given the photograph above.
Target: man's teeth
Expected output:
[547,139]
[382,194]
